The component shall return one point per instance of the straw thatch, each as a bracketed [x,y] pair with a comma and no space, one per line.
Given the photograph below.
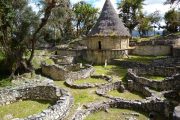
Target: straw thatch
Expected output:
[109,23]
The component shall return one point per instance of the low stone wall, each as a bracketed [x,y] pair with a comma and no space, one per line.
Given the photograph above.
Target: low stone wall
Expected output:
[176,52]
[70,82]
[176,114]
[146,106]
[63,60]
[135,86]
[103,90]
[168,84]
[39,92]
[163,63]
[57,72]
[162,67]
[152,50]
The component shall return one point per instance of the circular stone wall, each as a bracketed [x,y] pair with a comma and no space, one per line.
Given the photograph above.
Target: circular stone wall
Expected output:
[103,90]
[75,72]
[168,83]
[63,100]
[145,105]
[71,82]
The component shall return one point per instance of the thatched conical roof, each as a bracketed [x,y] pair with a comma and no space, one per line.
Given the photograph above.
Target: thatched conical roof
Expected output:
[109,23]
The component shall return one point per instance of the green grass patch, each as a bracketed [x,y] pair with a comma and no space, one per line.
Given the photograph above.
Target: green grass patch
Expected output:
[142,59]
[115,114]
[157,78]
[5,81]
[116,72]
[126,95]
[81,96]
[1,56]
[23,109]
[91,80]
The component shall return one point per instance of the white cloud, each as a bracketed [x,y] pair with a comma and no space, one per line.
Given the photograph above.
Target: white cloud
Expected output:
[152,7]
[34,7]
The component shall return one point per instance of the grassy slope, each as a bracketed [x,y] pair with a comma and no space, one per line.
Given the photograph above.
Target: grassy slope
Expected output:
[114,114]
[90,80]
[157,78]
[118,114]
[118,73]
[23,108]
[126,95]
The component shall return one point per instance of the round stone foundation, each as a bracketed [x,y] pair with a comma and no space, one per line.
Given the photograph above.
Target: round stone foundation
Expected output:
[63,100]
[71,82]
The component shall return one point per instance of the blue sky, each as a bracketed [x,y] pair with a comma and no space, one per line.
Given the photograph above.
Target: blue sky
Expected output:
[149,7]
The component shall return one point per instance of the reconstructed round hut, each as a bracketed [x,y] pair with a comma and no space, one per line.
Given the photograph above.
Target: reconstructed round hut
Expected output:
[109,38]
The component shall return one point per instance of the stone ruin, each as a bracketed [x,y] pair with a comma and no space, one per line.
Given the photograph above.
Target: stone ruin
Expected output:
[39,91]
[154,101]
[75,71]
[70,82]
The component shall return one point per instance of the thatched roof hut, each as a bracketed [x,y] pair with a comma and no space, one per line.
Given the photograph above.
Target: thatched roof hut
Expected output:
[109,23]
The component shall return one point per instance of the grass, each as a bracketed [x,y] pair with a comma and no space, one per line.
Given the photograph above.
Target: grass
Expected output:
[126,95]
[91,80]
[116,72]
[1,56]
[23,109]
[115,114]
[5,81]
[157,78]
[81,96]
[142,59]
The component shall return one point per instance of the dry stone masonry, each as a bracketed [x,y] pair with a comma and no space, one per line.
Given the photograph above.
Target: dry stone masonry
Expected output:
[75,72]
[70,82]
[168,84]
[40,91]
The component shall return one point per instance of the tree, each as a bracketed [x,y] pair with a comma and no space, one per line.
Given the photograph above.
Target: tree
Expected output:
[148,22]
[172,20]
[172,1]
[61,23]
[85,17]
[129,12]
[144,25]
[17,21]
[155,18]
[18,30]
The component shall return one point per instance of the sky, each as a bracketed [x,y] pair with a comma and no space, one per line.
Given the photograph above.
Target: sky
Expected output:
[150,6]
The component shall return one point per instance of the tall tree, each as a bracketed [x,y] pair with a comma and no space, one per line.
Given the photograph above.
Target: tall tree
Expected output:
[17,31]
[17,23]
[61,22]
[172,19]
[129,12]
[85,17]
[144,25]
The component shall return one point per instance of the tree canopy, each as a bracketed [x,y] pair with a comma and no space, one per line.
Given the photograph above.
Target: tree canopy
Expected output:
[129,12]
